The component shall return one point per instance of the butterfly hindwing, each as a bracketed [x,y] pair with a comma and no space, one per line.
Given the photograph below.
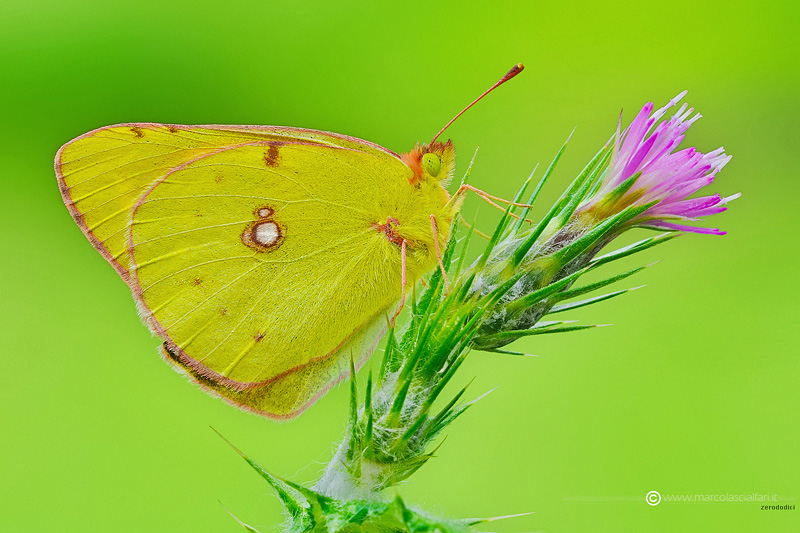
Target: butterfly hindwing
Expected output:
[247,260]
[288,395]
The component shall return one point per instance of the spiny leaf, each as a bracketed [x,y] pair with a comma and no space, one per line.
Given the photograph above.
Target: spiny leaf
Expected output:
[248,527]
[403,385]
[508,352]
[619,191]
[465,246]
[589,301]
[476,521]
[581,192]
[368,412]
[412,464]
[635,247]
[469,167]
[531,238]
[417,334]
[450,248]
[519,333]
[426,406]
[518,197]
[583,243]
[353,393]
[354,451]
[498,232]
[438,425]
[432,324]
[441,350]
[598,183]
[431,294]
[455,362]
[519,305]
[531,200]
[388,364]
[449,407]
[541,183]
[461,295]
[401,443]
[408,467]
[571,293]
[294,501]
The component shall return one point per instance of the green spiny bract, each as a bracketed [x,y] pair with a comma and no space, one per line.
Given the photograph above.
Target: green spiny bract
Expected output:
[551,256]
[308,511]
[390,430]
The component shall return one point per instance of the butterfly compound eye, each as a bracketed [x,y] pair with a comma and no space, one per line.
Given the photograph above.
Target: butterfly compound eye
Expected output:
[432,164]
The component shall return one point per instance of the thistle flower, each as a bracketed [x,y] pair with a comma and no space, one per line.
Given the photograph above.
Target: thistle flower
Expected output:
[645,169]
[524,273]
[637,180]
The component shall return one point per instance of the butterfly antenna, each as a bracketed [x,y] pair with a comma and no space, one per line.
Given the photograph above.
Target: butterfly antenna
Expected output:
[510,74]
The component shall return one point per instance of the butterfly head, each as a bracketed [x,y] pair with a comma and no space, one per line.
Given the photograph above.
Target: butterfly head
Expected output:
[432,163]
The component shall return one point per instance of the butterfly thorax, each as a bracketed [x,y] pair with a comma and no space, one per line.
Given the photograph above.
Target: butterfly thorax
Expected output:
[420,212]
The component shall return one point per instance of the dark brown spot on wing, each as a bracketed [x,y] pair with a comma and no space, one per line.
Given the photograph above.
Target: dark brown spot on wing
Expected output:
[223,311]
[138,132]
[264,212]
[169,353]
[273,232]
[258,337]
[172,129]
[272,157]
[250,236]
[197,281]
[388,228]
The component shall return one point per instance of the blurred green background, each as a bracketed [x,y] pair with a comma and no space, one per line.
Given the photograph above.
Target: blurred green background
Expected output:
[693,391]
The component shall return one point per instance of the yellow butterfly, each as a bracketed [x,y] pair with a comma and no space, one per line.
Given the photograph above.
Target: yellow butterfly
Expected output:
[265,257]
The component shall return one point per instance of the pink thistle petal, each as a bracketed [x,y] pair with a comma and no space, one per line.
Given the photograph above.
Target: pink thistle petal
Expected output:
[667,177]
[680,227]
[710,211]
[688,208]
[638,157]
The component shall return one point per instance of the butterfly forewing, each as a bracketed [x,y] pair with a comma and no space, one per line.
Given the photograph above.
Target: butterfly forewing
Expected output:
[103,173]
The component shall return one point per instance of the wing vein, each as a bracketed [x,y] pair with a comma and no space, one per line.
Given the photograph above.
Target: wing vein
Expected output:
[212,295]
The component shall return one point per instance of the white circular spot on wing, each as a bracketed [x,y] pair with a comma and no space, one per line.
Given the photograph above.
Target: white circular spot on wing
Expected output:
[264,212]
[266,234]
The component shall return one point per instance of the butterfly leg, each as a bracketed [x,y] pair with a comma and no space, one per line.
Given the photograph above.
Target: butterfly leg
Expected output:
[439,254]
[402,281]
[478,232]
[488,198]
